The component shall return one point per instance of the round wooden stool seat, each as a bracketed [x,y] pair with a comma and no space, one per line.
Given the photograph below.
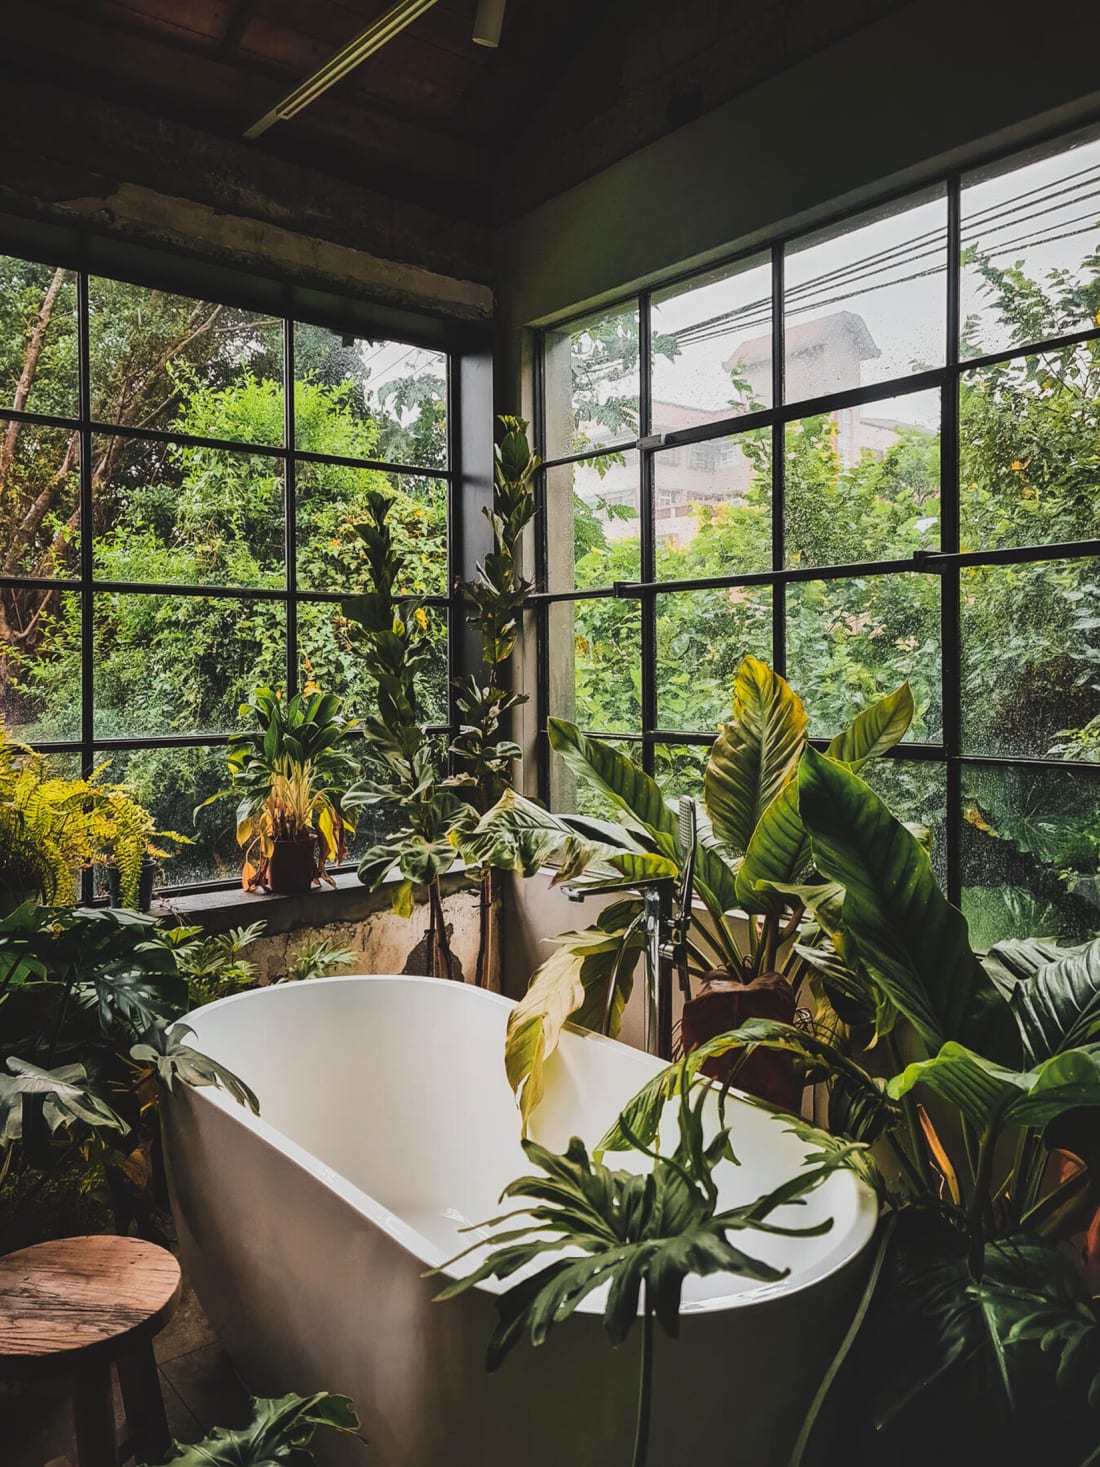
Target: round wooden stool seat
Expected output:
[80,1305]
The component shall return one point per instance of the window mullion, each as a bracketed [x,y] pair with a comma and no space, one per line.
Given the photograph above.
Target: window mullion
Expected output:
[290,533]
[779,466]
[648,548]
[950,630]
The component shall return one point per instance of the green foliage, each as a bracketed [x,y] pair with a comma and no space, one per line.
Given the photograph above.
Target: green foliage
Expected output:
[639,1233]
[390,634]
[212,964]
[85,993]
[314,958]
[290,772]
[750,850]
[278,1435]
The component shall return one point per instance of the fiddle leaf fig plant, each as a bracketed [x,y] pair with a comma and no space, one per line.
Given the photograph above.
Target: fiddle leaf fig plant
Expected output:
[405,784]
[583,1225]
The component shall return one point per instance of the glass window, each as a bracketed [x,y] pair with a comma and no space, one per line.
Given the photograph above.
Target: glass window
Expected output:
[711,347]
[1030,236]
[918,501]
[866,302]
[180,604]
[592,383]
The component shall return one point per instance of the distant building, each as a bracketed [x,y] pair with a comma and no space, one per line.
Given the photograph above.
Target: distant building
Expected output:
[823,356]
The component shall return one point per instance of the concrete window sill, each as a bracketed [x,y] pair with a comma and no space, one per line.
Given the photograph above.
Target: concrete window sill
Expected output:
[347,901]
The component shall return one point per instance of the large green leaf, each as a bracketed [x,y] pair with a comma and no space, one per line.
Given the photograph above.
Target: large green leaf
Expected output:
[823,1061]
[279,1433]
[67,1100]
[778,850]
[626,1230]
[1058,1006]
[911,940]
[612,774]
[989,1095]
[571,984]
[875,731]
[164,1050]
[755,754]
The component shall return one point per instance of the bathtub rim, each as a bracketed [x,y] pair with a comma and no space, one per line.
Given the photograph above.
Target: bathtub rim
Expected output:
[430,1255]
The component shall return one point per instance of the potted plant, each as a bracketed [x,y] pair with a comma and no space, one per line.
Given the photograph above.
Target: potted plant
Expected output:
[53,828]
[977,1080]
[290,773]
[750,853]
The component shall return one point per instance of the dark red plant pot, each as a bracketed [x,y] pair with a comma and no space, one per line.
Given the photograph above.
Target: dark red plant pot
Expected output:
[724,1003]
[293,866]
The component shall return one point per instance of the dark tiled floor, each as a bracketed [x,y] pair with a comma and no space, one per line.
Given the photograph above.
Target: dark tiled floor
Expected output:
[196,1379]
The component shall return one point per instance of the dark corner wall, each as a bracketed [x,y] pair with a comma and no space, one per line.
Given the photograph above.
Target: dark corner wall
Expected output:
[929,86]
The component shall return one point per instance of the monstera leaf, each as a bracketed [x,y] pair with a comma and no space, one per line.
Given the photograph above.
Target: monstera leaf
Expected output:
[755,754]
[910,939]
[278,1435]
[66,1098]
[163,1048]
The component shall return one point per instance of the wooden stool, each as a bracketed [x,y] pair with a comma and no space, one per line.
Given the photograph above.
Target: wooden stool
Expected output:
[78,1306]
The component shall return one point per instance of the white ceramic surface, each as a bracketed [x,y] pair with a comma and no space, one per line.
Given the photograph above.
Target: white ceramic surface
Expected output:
[386,1126]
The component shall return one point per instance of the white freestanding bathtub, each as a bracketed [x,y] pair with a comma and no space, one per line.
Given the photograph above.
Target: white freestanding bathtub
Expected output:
[387,1125]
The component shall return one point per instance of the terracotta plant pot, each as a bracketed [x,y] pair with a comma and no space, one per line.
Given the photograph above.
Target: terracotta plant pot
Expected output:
[293,866]
[723,1003]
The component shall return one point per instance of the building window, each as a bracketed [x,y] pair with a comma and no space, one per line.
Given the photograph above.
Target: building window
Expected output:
[868,454]
[179,485]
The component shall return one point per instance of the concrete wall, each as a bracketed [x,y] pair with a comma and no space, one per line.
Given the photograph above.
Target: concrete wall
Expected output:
[347,915]
[926,88]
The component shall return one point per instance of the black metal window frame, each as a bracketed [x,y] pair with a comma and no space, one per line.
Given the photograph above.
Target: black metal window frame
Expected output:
[946,562]
[455,475]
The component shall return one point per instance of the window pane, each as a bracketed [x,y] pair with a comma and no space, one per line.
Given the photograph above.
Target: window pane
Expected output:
[166,361]
[331,501]
[357,398]
[864,483]
[181,664]
[591,382]
[1030,450]
[593,531]
[596,663]
[852,641]
[38,338]
[701,638]
[867,302]
[1030,236]
[328,657]
[40,663]
[39,501]
[680,769]
[1030,851]
[712,507]
[1031,648]
[187,516]
[712,346]
[171,783]
[573,797]
[916,793]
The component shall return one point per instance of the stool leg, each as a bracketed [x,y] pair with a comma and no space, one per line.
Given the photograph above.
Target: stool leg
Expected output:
[141,1395]
[94,1414]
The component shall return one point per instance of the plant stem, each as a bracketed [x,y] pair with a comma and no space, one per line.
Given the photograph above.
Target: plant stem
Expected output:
[645,1384]
[975,1216]
[916,1140]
